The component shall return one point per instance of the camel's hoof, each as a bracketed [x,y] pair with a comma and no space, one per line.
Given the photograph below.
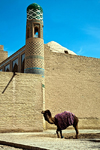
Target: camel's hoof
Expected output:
[76,137]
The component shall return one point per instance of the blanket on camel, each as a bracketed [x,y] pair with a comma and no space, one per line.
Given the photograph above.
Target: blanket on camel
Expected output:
[65,119]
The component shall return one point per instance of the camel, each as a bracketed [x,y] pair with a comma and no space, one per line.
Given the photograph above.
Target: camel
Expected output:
[62,121]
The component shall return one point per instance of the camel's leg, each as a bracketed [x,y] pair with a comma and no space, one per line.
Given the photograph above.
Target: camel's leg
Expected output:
[76,129]
[57,133]
[75,125]
[61,134]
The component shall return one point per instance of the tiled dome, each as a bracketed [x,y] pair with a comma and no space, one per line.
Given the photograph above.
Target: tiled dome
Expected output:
[34,11]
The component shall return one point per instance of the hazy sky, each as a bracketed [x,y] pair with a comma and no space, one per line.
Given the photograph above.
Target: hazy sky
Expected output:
[74,24]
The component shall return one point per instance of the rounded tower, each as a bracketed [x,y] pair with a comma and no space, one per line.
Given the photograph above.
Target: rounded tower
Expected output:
[34,51]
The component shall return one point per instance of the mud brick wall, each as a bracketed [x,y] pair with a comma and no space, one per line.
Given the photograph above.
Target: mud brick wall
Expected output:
[20,102]
[3,54]
[73,83]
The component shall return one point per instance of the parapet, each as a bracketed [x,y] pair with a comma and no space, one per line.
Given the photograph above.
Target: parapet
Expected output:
[1,47]
[3,54]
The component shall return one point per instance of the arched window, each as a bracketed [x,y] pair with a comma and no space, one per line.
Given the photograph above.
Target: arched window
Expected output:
[7,68]
[15,65]
[36,32]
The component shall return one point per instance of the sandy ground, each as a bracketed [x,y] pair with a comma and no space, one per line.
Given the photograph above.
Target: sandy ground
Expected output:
[48,140]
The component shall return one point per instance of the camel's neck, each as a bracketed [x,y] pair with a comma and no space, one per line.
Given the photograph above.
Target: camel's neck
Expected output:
[50,120]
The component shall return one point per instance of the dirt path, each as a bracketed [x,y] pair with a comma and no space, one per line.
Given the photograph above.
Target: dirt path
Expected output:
[49,141]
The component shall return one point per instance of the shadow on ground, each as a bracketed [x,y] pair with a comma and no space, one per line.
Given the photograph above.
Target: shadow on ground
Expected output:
[72,136]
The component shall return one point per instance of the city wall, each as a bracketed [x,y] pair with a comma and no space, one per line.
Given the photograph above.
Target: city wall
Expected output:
[73,83]
[20,102]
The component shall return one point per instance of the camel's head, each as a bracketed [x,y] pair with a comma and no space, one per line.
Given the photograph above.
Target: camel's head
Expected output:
[46,114]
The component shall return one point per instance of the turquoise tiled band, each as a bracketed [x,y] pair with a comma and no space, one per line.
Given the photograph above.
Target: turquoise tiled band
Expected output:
[34,70]
[34,56]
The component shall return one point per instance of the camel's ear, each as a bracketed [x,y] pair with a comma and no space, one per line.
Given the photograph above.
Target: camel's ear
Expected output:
[49,113]
[42,112]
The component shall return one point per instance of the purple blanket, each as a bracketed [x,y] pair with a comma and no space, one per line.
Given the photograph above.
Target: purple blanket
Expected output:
[65,119]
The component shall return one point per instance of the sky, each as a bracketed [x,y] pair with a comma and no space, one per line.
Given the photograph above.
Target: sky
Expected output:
[74,24]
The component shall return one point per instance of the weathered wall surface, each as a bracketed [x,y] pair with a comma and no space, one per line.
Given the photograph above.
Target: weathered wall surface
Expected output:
[3,54]
[20,102]
[73,83]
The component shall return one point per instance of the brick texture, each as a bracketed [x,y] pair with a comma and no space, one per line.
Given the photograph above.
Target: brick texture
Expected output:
[73,83]
[20,102]
[3,55]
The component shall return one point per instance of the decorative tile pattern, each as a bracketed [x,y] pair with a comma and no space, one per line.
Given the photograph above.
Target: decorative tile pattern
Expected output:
[34,48]
[34,14]
[34,63]
[34,56]
[34,70]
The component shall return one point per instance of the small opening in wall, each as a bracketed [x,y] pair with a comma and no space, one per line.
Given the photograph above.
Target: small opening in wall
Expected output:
[66,52]
[36,32]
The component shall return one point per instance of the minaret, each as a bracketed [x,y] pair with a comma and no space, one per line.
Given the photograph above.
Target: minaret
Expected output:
[34,51]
